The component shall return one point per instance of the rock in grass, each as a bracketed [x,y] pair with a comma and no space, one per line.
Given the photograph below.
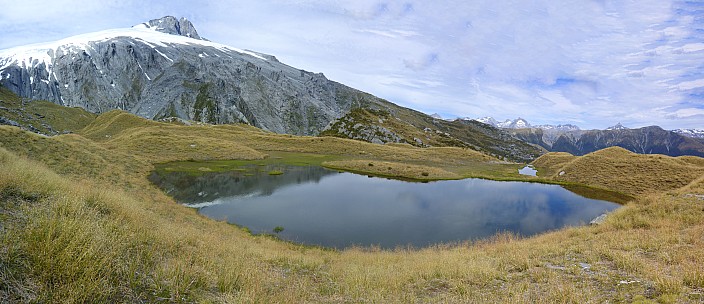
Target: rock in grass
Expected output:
[598,220]
[10,122]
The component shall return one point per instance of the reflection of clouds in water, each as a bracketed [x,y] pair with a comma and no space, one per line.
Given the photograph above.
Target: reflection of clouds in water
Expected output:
[528,170]
[344,208]
[537,216]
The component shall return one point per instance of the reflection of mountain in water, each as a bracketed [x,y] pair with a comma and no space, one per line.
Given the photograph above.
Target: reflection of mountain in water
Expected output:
[186,188]
[346,209]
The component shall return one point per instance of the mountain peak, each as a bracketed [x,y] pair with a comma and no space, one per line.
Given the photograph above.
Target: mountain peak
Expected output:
[618,126]
[173,26]
[560,127]
[518,123]
[487,120]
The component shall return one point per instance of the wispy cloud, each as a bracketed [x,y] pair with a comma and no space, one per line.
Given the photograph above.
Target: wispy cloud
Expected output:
[390,33]
[593,63]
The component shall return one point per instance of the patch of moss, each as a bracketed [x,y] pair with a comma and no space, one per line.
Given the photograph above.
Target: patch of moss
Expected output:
[275,172]
[205,108]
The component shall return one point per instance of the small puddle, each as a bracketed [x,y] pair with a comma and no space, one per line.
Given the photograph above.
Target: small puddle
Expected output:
[528,170]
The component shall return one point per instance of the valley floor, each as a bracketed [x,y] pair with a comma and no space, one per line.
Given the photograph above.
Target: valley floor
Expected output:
[79,222]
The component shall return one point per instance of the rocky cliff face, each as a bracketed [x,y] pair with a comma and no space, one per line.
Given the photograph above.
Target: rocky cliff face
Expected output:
[173,26]
[162,68]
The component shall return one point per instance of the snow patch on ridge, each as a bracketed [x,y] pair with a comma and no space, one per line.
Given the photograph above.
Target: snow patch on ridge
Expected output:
[163,55]
[38,53]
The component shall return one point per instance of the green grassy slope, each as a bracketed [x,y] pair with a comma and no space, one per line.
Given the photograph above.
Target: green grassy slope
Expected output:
[41,116]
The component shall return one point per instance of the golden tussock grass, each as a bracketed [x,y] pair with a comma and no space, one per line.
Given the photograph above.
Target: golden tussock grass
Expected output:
[694,160]
[627,172]
[121,131]
[551,163]
[696,187]
[71,232]
[159,144]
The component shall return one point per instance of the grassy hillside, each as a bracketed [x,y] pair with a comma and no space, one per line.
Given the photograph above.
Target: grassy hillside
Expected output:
[624,171]
[79,222]
[389,123]
[41,116]
[551,163]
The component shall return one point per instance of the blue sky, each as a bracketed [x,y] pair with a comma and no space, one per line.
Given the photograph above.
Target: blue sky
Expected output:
[589,63]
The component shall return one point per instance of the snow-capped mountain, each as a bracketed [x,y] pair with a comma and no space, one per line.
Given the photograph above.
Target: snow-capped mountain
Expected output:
[561,127]
[163,68]
[693,133]
[618,126]
[572,139]
[504,124]
[520,123]
[486,120]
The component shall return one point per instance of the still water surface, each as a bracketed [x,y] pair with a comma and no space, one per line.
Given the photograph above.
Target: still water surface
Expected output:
[317,206]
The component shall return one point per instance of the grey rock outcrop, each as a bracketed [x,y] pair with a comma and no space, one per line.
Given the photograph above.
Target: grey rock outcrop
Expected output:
[173,26]
[9,122]
[598,220]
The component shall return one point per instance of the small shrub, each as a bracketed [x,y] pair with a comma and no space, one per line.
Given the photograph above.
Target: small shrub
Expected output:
[278,229]
[371,165]
[425,174]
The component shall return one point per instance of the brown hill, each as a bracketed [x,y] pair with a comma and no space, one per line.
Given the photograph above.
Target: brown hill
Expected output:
[621,170]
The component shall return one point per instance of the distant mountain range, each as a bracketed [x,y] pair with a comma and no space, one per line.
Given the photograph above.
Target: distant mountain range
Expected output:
[646,140]
[520,123]
[572,139]
[694,133]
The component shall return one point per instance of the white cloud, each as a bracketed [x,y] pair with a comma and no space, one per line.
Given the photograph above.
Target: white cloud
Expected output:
[688,85]
[688,112]
[693,47]
[390,33]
